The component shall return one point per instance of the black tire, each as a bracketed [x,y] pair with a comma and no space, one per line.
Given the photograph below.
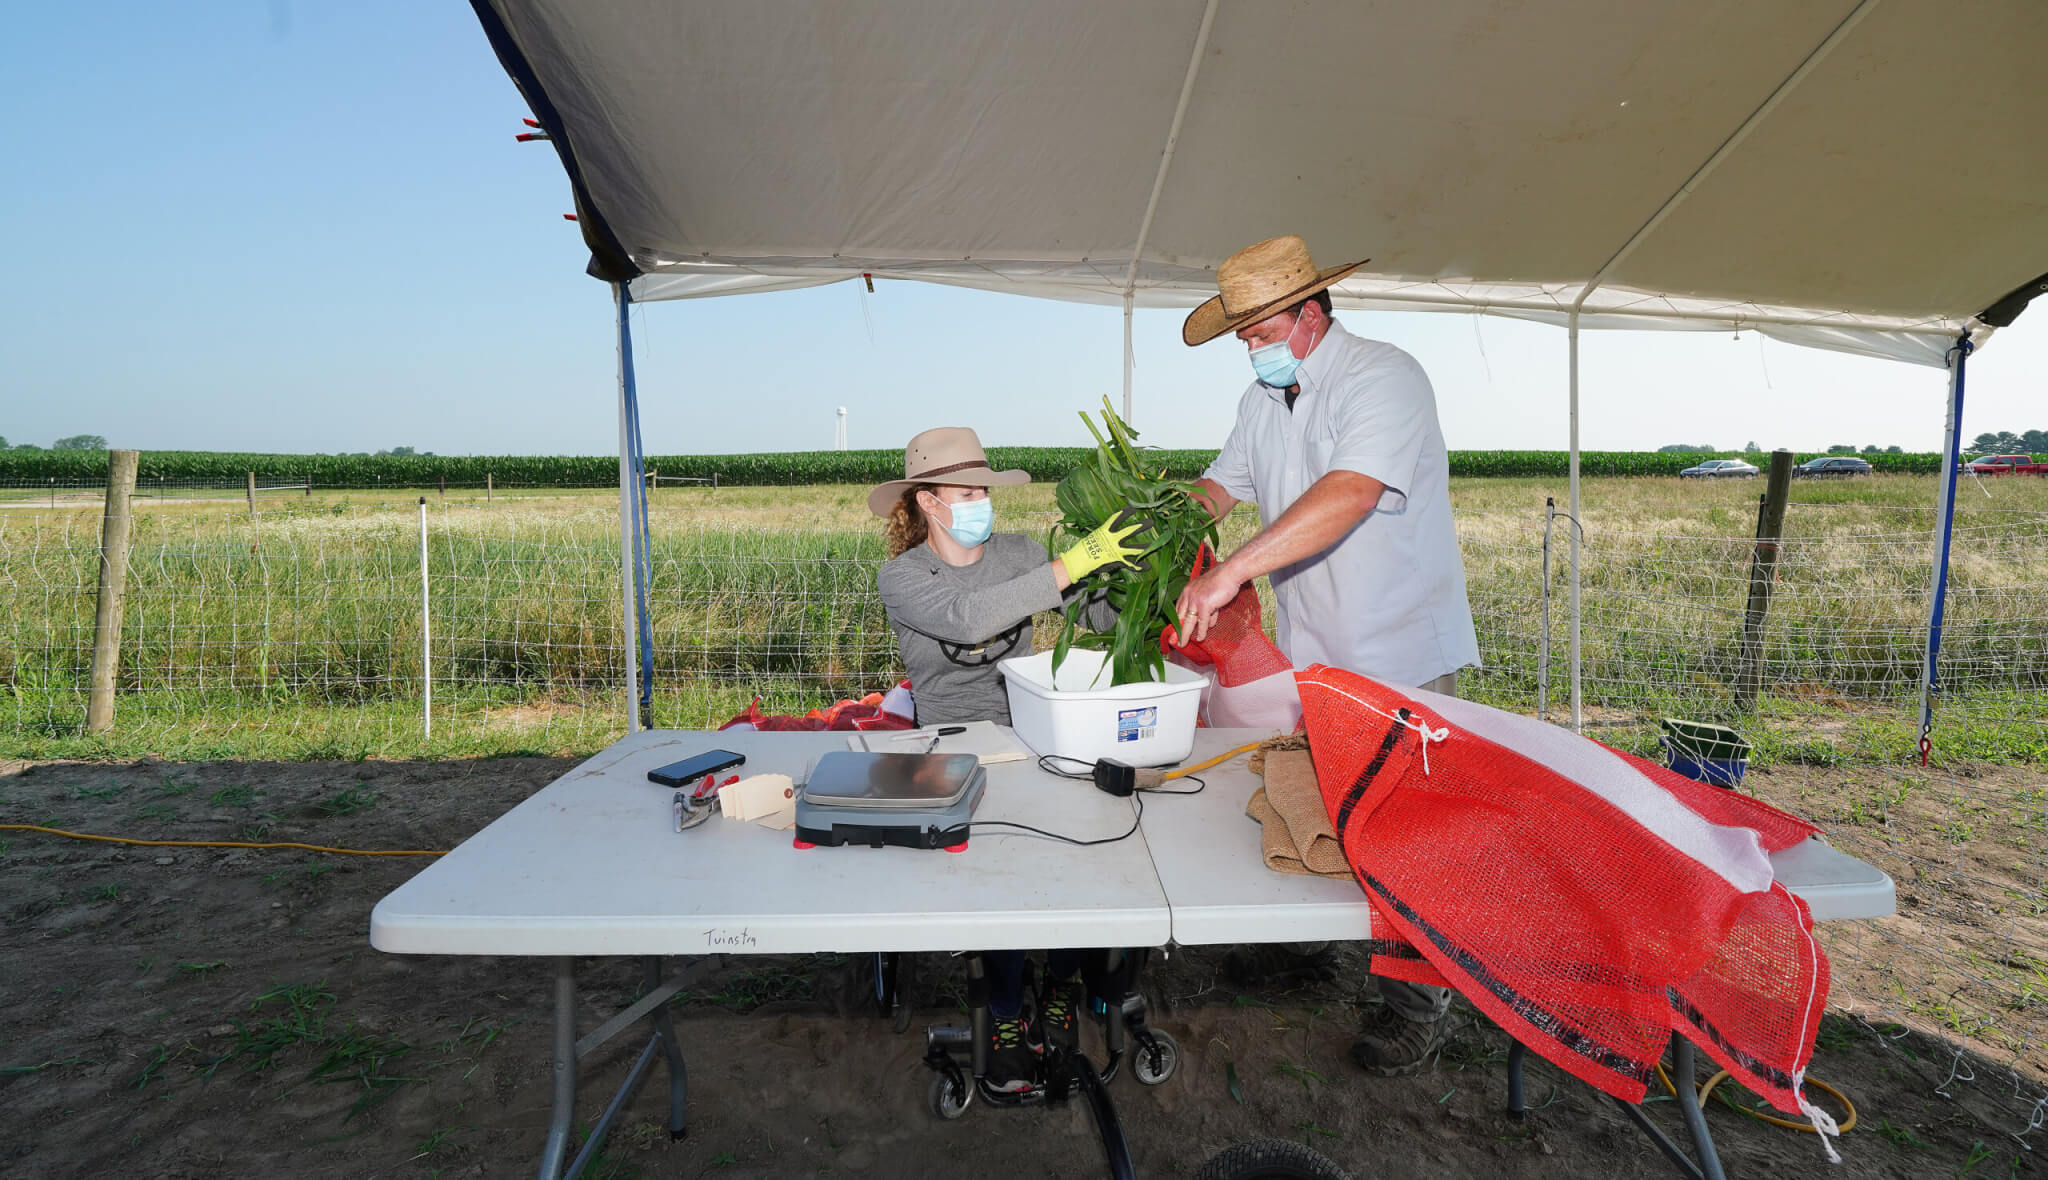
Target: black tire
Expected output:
[1153,1065]
[1271,1159]
[947,1098]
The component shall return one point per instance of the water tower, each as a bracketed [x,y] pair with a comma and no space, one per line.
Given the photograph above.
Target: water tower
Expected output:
[839,434]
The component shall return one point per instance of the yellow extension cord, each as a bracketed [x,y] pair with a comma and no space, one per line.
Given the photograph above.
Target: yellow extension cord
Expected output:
[1703,1092]
[1220,758]
[406,852]
[214,843]
[1707,1088]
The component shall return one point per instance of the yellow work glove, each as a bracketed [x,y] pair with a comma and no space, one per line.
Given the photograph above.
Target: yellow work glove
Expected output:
[1121,538]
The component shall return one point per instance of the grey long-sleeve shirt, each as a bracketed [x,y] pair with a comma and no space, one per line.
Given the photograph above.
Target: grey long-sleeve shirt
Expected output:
[954,622]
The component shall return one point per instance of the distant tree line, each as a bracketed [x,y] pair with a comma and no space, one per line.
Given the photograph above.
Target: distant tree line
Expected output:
[2029,441]
[769,468]
[1752,449]
[77,442]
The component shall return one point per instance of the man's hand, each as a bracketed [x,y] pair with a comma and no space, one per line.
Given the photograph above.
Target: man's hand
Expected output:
[1199,602]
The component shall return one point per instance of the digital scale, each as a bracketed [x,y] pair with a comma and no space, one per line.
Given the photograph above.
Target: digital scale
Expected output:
[906,800]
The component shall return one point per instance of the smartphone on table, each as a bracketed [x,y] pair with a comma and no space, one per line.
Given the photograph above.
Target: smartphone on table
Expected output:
[689,770]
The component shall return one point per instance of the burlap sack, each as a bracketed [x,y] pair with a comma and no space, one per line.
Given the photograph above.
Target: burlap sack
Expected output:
[1295,833]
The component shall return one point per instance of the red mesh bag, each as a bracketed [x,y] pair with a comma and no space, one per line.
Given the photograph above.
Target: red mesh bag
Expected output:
[1588,901]
[866,713]
[1236,646]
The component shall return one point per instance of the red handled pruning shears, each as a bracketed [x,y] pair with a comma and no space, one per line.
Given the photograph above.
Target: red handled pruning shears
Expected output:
[709,787]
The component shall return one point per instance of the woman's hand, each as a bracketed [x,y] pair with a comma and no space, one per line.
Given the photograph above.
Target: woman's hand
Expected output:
[1122,537]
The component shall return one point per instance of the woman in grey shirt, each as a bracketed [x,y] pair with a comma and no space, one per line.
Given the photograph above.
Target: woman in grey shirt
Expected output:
[960,597]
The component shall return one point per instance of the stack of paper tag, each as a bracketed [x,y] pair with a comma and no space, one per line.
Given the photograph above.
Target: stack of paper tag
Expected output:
[765,799]
[985,740]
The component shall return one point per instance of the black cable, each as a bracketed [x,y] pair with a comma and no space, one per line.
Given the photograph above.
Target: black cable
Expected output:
[1137,801]
[1045,763]
[1195,779]
[1132,830]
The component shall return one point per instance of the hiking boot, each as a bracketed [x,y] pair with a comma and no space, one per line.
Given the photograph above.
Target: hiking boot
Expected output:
[1012,1061]
[1057,1026]
[1398,1047]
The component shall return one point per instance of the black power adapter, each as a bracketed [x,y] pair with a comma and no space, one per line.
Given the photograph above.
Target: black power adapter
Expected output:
[1121,778]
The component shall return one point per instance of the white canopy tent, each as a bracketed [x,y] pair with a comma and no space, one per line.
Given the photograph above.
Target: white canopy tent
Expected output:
[1859,175]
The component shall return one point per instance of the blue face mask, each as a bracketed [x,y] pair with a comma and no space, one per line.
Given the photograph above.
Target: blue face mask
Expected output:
[973,521]
[1275,363]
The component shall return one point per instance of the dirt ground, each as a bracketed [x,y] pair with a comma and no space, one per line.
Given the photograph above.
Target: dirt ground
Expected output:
[182,1012]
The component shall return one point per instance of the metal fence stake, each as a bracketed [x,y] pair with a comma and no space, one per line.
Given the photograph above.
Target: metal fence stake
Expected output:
[426,631]
[1543,645]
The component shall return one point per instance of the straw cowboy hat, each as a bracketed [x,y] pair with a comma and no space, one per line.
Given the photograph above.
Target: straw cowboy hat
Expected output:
[1257,281]
[946,454]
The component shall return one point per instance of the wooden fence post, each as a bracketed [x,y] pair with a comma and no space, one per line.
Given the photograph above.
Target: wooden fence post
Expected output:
[444,487]
[106,625]
[1763,574]
[487,487]
[252,493]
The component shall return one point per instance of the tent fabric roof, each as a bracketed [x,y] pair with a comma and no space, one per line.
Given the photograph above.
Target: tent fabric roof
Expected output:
[1863,175]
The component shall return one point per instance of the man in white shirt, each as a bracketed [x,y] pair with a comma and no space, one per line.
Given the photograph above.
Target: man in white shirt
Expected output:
[1337,441]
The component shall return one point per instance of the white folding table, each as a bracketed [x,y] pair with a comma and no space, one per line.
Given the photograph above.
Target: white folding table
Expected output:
[591,865]
[1216,880]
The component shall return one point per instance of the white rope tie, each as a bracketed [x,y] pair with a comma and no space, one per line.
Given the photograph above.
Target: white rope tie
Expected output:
[1824,1127]
[1428,735]
[1421,728]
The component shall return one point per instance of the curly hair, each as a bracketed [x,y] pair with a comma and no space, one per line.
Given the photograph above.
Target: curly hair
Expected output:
[907,529]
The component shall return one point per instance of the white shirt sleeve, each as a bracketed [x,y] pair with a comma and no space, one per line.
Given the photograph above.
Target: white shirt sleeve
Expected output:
[1382,417]
[1232,469]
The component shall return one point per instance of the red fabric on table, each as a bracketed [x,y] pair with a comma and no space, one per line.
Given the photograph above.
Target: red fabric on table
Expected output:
[1556,908]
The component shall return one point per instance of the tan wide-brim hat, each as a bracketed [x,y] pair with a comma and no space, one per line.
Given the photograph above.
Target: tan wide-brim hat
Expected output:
[945,454]
[1257,281]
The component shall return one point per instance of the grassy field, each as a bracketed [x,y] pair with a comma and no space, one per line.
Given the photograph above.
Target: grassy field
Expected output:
[296,632]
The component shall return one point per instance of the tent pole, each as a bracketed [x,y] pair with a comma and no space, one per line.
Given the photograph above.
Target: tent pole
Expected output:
[630,652]
[1180,112]
[1572,524]
[1127,354]
[1952,454]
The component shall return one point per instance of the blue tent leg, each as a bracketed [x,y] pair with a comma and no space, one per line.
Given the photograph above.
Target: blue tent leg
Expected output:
[1952,456]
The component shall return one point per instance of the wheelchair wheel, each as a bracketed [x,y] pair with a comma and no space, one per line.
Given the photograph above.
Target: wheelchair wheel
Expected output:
[949,1093]
[1154,1063]
[1270,1159]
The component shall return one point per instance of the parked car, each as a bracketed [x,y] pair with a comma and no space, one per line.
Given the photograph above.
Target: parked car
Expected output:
[1720,469]
[2005,465]
[1832,467]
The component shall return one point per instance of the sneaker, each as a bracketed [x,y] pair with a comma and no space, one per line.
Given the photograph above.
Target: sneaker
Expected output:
[1012,1061]
[1057,1028]
[1397,1047]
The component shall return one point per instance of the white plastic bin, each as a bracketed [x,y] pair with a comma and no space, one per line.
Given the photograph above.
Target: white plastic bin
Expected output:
[1082,716]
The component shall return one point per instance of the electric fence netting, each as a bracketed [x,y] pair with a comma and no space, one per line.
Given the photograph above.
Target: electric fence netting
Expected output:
[295,632]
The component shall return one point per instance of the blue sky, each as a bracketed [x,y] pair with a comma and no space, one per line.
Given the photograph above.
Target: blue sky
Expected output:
[291,227]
